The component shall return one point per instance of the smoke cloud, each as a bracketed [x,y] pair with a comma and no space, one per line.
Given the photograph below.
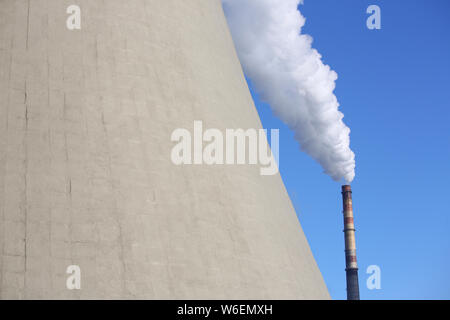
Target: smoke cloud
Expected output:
[289,75]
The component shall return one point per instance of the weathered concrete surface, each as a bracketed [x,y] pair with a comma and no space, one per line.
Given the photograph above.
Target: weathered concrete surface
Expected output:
[85,170]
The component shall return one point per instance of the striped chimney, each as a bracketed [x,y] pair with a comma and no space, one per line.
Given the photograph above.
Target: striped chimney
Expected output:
[350,245]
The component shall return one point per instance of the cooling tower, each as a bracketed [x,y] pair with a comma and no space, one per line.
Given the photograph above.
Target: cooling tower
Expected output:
[86,176]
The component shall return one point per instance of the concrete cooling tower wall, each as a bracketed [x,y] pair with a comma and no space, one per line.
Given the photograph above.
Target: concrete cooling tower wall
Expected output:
[86,176]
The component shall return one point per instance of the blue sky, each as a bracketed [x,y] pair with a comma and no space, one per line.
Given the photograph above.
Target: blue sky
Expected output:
[394,89]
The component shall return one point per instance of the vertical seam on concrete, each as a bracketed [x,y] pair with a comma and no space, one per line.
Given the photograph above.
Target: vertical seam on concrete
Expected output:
[164,247]
[28,23]
[5,166]
[118,221]
[67,177]
[49,144]
[25,142]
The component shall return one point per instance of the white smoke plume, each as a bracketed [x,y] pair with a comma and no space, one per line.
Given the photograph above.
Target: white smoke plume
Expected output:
[289,75]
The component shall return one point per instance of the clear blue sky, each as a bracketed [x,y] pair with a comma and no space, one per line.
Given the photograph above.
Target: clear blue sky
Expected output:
[394,89]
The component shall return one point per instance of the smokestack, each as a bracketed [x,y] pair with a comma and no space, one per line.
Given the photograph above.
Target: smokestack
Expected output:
[351,266]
